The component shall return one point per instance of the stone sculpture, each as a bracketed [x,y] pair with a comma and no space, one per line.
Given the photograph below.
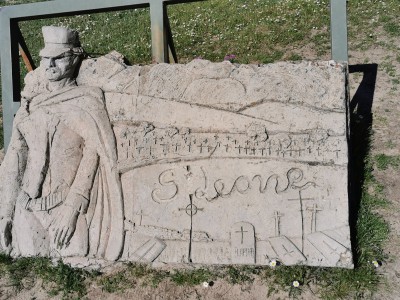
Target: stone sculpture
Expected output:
[60,191]
[209,163]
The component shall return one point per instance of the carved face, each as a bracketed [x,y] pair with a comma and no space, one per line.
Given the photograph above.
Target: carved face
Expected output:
[60,67]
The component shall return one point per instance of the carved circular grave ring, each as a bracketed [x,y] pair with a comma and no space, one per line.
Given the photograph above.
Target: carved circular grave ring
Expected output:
[191,209]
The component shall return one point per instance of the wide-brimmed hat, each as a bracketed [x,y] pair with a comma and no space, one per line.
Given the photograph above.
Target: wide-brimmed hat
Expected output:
[58,40]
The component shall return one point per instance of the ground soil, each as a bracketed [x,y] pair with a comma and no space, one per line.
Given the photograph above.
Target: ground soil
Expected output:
[386,139]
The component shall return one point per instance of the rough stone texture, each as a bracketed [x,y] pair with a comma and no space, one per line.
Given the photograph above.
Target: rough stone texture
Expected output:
[208,150]
[227,164]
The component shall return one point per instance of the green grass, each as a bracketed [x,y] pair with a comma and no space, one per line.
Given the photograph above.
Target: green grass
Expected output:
[23,273]
[392,27]
[192,277]
[129,277]
[389,68]
[368,17]
[383,161]
[254,31]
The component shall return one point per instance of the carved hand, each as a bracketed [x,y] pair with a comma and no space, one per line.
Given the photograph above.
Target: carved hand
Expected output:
[64,223]
[5,232]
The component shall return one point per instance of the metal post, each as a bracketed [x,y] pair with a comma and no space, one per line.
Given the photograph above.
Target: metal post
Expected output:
[339,44]
[158,32]
[9,71]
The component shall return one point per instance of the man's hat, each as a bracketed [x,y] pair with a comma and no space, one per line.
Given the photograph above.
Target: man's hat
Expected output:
[58,40]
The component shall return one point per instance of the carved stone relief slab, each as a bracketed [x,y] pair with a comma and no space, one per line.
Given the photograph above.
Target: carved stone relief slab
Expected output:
[208,163]
[206,173]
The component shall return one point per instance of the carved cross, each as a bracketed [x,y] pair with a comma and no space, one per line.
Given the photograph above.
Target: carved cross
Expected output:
[337,152]
[318,151]
[191,210]
[139,149]
[301,199]
[239,148]
[241,231]
[141,216]
[299,151]
[314,209]
[269,149]
[165,148]
[201,146]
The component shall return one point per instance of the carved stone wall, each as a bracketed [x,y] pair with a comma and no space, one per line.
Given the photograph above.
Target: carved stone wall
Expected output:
[229,164]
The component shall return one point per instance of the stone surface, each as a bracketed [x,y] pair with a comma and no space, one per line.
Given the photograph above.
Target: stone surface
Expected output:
[209,163]
[226,149]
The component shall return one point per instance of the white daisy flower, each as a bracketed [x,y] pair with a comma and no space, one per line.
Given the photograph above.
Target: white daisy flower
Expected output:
[296,284]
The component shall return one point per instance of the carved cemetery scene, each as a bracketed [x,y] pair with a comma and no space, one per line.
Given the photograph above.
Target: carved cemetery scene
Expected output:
[205,163]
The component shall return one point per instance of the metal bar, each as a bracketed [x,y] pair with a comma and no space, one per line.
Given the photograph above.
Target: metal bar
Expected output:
[180,1]
[339,44]
[158,34]
[54,8]
[10,82]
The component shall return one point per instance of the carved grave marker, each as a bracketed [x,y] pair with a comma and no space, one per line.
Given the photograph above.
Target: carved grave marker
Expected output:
[243,243]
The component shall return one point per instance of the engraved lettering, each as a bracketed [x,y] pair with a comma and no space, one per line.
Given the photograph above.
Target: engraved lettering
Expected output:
[166,179]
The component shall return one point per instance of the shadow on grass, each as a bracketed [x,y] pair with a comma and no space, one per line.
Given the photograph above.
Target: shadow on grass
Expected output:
[360,143]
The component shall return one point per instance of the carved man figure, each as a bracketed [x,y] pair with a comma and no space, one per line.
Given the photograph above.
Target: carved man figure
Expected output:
[60,191]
